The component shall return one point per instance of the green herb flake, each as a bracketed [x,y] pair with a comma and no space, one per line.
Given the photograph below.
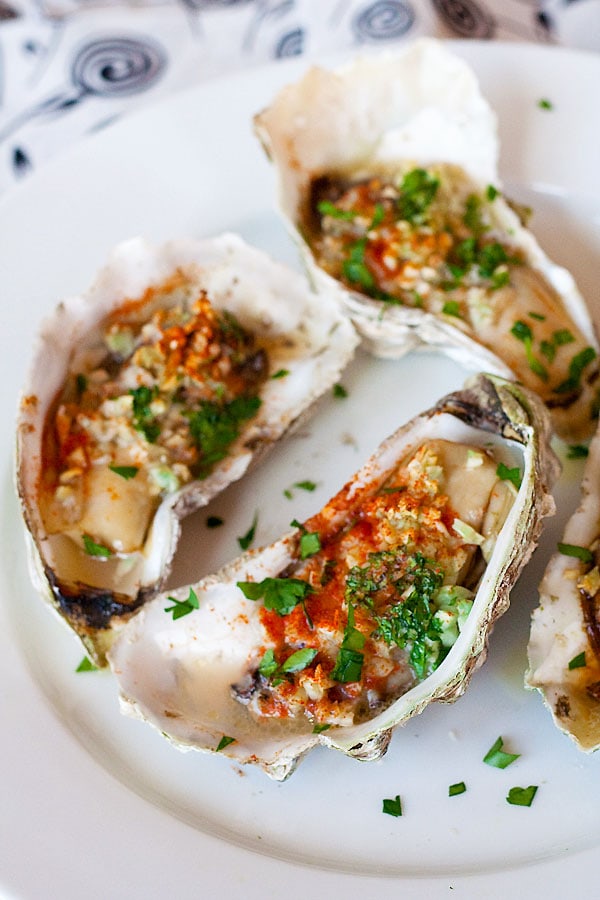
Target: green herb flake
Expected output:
[81,384]
[582,553]
[327,208]
[182,608]
[537,316]
[247,538]
[518,796]
[86,665]
[576,367]
[320,727]
[214,522]
[458,788]
[491,192]
[225,742]
[497,757]
[339,392]
[417,192]
[452,308]
[349,662]
[512,474]
[214,427]
[93,549]
[523,332]
[296,662]
[125,472]
[310,543]
[305,485]
[578,662]
[546,104]
[577,451]
[279,594]
[393,807]
[355,269]
[280,373]
[143,419]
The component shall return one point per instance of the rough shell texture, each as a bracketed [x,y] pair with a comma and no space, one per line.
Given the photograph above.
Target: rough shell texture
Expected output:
[307,335]
[177,675]
[420,106]
[559,631]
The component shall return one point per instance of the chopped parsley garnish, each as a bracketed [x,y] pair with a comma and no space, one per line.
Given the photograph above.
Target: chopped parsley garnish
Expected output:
[578,662]
[279,594]
[582,553]
[247,538]
[349,662]
[143,419]
[458,788]
[576,367]
[327,208]
[320,727]
[302,486]
[339,392]
[491,192]
[519,796]
[523,332]
[393,807]
[93,549]
[225,742]
[497,757]
[86,665]
[559,338]
[215,426]
[537,316]
[544,103]
[182,608]
[512,474]
[577,451]
[214,522]
[125,472]
[269,668]
[310,542]
[355,268]
[472,216]
[452,308]
[280,373]
[417,191]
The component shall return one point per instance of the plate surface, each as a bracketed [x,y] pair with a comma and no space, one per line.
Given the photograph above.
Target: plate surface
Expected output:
[97,805]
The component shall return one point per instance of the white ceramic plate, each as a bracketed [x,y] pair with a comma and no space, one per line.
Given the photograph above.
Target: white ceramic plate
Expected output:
[98,806]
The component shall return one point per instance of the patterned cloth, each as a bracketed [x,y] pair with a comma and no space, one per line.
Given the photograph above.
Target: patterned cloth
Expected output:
[70,67]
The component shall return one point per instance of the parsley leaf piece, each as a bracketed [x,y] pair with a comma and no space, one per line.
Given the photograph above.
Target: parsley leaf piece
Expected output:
[452,308]
[578,662]
[214,522]
[320,727]
[393,807]
[225,742]
[247,538]
[86,665]
[279,594]
[339,392]
[576,367]
[523,332]
[509,474]
[327,208]
[182,608]
[497,757]
[544,103]
[519,796]
[538,316]
[143,420]
[458,788]
[125,472]
[280,373]
[93,549]
[355,268]
[491,192]
[305,485]
[214,427]
[310,543]
[298,660]
[268,664]
[577,451]
[349,662]
[472,215]
[582,553]
[417,191]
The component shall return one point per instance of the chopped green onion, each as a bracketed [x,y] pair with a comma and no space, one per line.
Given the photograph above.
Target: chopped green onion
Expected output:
[582,553]
[497,757]
[458,788]
[519,796]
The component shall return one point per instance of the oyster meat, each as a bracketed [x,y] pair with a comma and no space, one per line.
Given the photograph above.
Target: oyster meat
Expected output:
[148,395]
[564,643]
[387,176]
[380,603]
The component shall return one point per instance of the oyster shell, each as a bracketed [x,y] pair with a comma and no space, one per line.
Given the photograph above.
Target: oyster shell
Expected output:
[107,463]
[564,643]
[216,678]
[387,176]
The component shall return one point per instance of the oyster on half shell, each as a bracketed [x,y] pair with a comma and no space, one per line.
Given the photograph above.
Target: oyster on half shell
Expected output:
[149,394]
[564,642]
[387,175]
[377,605]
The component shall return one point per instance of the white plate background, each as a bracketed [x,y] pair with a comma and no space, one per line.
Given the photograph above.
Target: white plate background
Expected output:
[98,806]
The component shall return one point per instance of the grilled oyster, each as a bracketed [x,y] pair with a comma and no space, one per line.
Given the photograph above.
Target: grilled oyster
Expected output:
[148,395]
[379,604]
[564,643]
[387,173]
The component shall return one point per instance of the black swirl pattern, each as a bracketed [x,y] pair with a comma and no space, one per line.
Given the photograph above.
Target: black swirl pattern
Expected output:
[117,66]
[290,44]
[466,18]
[384,20]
